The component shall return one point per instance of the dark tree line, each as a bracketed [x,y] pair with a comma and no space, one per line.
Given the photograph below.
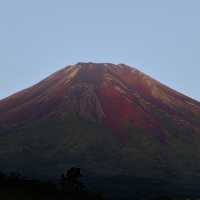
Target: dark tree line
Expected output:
[17,187]
[69,188]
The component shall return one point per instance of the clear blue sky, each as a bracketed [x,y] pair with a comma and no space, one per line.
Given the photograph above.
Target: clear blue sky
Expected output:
[160,37]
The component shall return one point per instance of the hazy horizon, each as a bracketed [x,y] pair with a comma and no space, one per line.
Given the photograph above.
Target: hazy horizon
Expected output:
[159,38]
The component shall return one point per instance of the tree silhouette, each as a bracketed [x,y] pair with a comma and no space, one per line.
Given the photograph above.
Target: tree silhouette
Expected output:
[71,183]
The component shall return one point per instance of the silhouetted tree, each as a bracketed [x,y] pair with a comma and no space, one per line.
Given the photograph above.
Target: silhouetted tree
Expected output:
[71,183]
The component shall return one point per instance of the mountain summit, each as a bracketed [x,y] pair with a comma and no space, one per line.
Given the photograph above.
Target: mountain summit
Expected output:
[114,95]
[111,120]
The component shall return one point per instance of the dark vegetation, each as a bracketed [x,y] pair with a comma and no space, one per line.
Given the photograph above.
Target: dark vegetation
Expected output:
[17,187]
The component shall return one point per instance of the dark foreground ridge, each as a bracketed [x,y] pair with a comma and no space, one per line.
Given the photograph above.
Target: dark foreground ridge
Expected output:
[69,186]
[15,186]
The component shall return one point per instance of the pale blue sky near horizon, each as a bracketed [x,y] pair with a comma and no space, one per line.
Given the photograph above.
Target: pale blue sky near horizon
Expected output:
[161,38]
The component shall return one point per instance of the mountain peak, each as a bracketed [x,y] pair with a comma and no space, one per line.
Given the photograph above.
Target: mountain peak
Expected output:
[109,119]
[102,65]
[93,64]
[110,93]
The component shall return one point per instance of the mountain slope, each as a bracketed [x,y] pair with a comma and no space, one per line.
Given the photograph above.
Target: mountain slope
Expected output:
[111,120]
[102,92]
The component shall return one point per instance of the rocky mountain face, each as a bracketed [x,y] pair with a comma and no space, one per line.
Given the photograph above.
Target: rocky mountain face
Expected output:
[111,120]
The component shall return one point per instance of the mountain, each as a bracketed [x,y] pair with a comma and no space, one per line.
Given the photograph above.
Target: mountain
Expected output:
[113,121]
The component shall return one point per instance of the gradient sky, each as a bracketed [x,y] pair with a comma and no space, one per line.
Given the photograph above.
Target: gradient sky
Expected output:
[161,38]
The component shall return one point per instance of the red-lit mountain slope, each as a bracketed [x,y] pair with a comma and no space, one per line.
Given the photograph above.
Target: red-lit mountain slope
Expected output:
[109,119]
[115,95]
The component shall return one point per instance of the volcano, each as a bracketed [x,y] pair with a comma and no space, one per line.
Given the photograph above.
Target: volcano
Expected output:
[114,122]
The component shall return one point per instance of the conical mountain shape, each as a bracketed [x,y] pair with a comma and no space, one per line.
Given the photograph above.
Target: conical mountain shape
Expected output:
[110,120]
